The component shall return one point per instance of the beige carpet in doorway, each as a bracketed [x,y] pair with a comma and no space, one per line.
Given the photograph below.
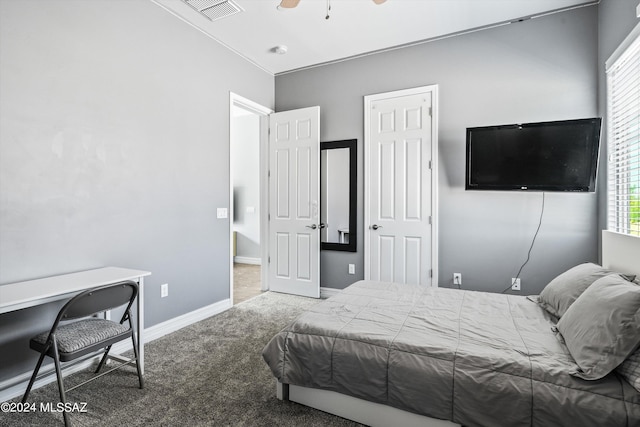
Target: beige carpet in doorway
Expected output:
[246,282]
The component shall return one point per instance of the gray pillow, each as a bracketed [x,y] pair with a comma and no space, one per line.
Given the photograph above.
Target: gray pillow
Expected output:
[602,327]
[562,291]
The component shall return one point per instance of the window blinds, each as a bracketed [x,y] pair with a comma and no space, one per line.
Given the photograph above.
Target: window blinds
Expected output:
[623,97]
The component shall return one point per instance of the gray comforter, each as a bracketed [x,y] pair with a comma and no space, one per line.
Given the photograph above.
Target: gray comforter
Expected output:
[474,358]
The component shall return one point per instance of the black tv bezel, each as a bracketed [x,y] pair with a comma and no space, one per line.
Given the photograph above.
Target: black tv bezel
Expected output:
[555,188]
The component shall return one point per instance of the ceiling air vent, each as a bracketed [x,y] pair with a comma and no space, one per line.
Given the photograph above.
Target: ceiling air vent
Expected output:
[215,9]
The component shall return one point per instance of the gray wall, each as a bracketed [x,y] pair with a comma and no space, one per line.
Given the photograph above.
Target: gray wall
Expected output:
[114,130]
[616,19]
[540,69]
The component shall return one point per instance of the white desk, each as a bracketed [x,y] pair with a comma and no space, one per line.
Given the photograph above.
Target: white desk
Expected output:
[16,296]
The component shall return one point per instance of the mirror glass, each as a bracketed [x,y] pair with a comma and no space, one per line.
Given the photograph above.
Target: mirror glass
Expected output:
[337,189]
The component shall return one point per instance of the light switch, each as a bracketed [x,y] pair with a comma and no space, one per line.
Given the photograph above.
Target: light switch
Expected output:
[222,213]
[251,209]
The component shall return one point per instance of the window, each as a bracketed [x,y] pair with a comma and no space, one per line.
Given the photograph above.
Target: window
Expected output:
[623,99]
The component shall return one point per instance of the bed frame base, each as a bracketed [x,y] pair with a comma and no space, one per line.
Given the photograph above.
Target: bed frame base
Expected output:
[354,409]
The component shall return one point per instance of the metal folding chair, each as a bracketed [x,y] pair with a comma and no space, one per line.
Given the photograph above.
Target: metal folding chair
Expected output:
[75,334]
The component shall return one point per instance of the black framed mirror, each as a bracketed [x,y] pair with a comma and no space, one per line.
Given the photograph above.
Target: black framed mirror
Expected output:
[338,175]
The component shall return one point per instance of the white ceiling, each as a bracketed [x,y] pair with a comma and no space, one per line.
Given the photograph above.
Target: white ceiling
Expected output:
[356,27]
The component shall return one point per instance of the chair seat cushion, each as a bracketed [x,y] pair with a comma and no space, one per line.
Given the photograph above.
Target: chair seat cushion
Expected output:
[83,333]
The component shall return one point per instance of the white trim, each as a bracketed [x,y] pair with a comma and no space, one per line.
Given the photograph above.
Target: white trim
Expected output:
[236,100]
[358,410]
[367,184]
[328,292]
[623,163]
[247,260]
[15,387]
[435,109]
[623,47]
[368,100]
[161,329]
[248,104]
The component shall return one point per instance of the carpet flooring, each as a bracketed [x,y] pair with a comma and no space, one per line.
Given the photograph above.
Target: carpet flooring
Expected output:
[210,373]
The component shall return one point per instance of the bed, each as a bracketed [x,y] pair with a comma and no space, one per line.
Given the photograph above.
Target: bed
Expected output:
[392,354]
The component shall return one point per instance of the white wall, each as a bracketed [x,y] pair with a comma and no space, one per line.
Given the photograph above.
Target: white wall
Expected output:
[246,184]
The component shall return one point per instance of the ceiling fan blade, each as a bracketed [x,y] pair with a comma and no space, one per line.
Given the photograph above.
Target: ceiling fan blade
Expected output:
[379,1]
[289,4]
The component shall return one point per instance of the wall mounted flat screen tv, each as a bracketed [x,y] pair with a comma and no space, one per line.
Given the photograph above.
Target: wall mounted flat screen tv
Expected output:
[547,156]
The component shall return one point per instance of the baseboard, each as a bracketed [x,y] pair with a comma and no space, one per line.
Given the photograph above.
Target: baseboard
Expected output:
[247,260]
[16,386]
[161,329]
[172,325]
[329,292]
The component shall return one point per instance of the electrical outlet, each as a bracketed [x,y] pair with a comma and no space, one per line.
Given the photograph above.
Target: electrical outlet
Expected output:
[457,279]
[352,269]
[164,290]
[515,283]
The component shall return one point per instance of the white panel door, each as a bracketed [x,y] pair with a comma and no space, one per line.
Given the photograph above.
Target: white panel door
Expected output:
[398,234]
[294,195]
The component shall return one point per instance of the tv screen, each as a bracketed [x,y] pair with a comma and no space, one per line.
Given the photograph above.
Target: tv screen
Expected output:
[547,156]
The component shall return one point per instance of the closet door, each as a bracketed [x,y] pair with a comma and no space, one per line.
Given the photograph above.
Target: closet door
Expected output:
[399,236]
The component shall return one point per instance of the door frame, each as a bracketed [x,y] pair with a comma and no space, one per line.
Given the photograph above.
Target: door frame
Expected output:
[368,100]
[236,100]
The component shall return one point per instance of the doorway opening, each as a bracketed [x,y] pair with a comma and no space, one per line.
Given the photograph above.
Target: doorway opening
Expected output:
[248,125]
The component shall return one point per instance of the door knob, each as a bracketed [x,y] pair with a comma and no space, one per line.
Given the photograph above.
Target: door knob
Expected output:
[322,225]
[375,226]
[312,226]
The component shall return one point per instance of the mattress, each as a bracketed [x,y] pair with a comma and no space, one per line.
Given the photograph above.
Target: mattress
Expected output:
[474,358]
